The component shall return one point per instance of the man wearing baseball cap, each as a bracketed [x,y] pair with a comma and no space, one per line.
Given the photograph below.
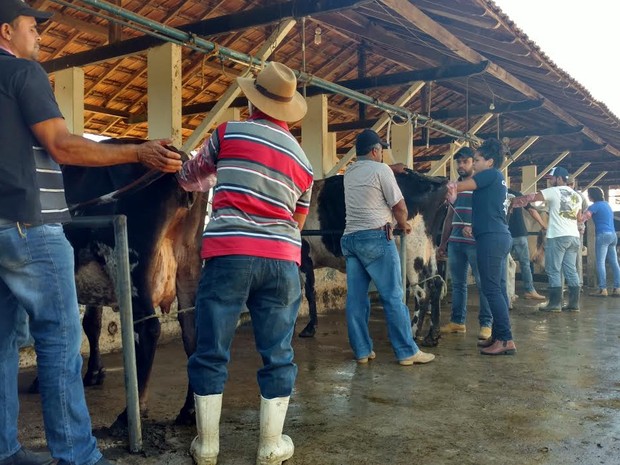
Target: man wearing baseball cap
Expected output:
[459,243]
[373,200]
[563,241]
[36,260]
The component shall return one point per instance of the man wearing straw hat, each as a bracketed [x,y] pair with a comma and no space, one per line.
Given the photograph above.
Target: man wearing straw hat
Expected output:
[252,248]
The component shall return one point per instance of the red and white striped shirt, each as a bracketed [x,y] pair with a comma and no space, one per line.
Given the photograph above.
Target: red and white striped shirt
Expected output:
[263,178]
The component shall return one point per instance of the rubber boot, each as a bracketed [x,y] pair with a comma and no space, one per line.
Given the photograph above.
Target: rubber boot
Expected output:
[574,294]
[206,446]
[555,301]
[273,446]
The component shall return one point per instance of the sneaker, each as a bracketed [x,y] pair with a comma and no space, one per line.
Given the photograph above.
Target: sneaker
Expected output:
[533,296]
[370,356]
[500,348]
[600,293]
[418,357]
[485,333]
[453,328]
[26,457]
[615,292]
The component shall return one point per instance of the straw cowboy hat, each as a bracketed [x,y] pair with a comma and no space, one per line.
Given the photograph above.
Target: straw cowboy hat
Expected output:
[274,92]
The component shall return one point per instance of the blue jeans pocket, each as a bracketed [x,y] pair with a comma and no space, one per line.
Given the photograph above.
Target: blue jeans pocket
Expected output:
[15,249]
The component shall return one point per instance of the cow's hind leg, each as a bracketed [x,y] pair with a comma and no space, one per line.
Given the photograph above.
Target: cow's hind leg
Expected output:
[95,374]
[434,289]
[187,415]
[307,267]
[147,334]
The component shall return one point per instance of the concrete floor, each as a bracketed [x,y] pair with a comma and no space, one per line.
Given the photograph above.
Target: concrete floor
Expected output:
[556,402]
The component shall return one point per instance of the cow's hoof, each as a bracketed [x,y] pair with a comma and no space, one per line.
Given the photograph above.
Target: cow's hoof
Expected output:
[186,417]
[94,378]
[34,386]
[430,341]
[308,331]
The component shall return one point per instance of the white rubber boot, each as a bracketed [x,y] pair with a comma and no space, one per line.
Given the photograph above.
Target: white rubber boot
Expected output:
[273,446]
[206,446]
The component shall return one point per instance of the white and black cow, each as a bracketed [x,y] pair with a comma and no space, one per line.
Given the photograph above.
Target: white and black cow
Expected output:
[164,226]
[425,199]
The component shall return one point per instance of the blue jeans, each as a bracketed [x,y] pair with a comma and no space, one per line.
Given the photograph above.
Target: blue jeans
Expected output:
[272,291]
[606,248]
[521,253]
[561,257]
[369,255]
[459,256]
[492,251]
[37,274]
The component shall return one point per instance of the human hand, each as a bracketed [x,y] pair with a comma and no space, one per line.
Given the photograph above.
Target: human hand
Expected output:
[154,155]
[441,251]
[398,168]
[467,232]
[406,227]
[452,192]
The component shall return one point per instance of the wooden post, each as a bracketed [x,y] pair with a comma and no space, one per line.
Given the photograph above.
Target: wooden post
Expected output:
[69,92]
[402,144]
[164,93]
[314,134]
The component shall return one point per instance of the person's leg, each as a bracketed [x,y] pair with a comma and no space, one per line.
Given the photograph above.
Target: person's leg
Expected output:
[521,253]
[457,263]
[569,261]
[9,365]
[222,292]
[41,277]
[601,246]
[380,258]
[273,303]
[554,254]
[612,257]
[492,251]
[485,317]
[358,302]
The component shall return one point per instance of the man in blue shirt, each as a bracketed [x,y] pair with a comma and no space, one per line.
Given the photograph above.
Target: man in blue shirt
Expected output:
[461,251]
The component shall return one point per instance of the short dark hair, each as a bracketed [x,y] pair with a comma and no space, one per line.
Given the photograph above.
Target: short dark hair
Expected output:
[492,149]
[596,194]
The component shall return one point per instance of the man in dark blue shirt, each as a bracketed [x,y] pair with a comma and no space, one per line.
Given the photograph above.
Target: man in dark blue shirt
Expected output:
[36,261]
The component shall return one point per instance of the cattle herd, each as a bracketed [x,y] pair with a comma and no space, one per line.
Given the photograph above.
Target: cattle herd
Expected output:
[164,227]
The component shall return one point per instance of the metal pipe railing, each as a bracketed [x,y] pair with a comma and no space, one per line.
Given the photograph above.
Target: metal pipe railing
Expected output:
[192,40]
[123,296]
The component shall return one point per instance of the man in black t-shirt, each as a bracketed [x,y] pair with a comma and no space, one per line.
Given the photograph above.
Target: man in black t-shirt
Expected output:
[36,261]
[520,249]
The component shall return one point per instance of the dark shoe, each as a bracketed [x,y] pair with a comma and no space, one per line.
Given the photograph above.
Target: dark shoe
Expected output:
[574,294]
[25,457]
[555,301]
[486,343]
[500,348]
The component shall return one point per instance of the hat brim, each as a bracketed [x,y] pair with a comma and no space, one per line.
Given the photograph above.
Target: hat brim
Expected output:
[39,16]
[290,112]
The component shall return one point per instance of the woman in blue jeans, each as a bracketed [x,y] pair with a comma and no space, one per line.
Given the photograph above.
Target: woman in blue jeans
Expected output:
[493,240]
[606,241]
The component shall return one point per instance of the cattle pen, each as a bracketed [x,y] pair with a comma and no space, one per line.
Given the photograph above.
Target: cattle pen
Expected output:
[556,401]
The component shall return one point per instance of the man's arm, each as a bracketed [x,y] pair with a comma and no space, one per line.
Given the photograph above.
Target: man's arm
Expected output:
[301,219]
[525,199]
[534,214]
[400,215]
[68,149]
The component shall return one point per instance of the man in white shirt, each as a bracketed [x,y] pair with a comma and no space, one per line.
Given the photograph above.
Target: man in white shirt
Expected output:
[563,240]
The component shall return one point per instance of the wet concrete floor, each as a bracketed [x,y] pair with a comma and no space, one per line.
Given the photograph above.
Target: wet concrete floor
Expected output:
[556,402]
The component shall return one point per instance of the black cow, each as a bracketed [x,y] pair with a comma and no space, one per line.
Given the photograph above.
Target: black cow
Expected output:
[425,199]
[164,226]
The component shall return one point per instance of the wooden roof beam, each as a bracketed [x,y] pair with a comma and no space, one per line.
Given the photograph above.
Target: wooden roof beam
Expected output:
[222,24]
[415,16]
